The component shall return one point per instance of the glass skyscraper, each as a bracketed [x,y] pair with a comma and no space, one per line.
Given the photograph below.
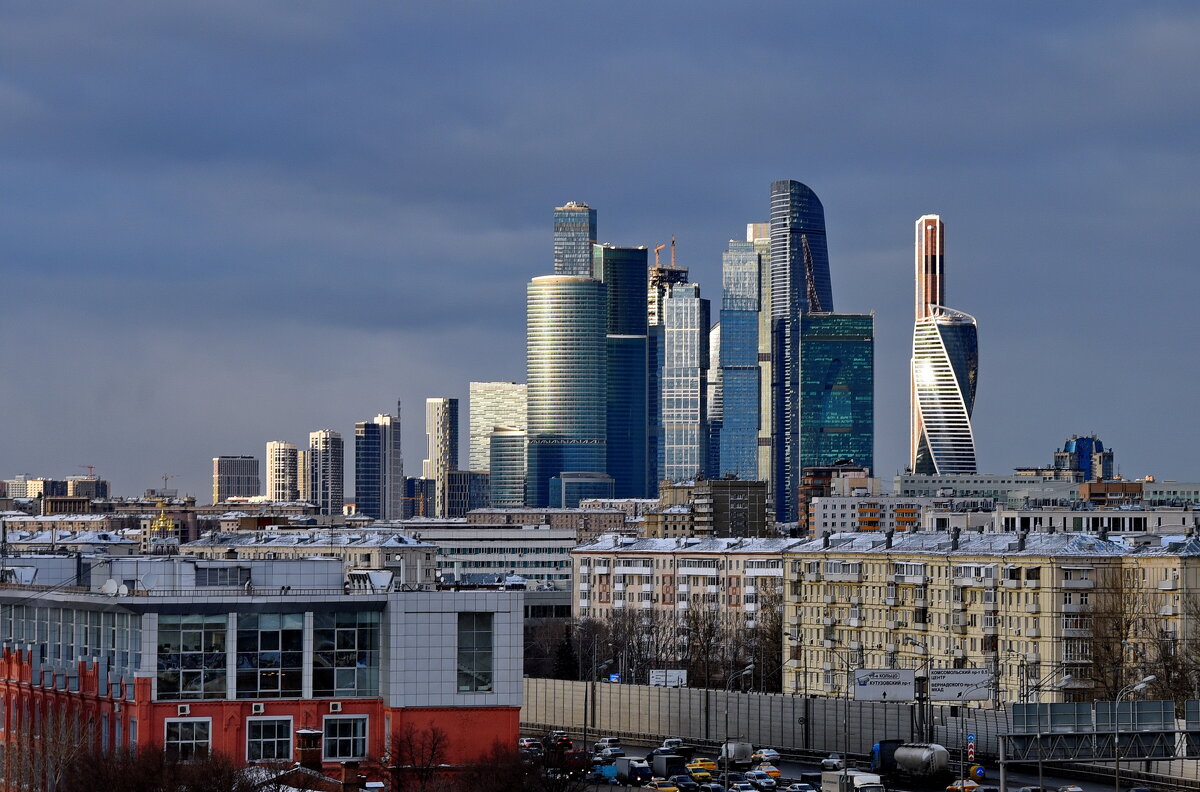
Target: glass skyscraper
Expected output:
[507,465]
[684,383]
[624,273]
[574,233]
[493,404]
[837,396]
[945,365]
[799,285]
[567,380]
[379,468]
[739,365]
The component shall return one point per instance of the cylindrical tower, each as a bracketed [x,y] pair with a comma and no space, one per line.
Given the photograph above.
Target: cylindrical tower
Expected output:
[567,379]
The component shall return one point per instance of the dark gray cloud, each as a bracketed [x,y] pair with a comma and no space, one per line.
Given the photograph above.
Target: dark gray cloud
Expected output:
[230,223]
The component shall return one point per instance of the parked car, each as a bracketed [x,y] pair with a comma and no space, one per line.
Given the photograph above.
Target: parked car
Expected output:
[833,762]
[769,769]
[712,788]
[684,783]
[765,756]
[742,786]
[760,780]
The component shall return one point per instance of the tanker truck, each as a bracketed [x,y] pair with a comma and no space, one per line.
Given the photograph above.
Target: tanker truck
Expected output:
[924,764]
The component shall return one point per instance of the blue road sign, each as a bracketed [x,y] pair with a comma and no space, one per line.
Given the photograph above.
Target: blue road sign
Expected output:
[971,737]
[979,772]
[614,677]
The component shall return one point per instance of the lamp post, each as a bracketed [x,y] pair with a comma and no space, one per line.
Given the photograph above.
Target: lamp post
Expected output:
[591,689]
[924,705]
[1136,687]
[725,747]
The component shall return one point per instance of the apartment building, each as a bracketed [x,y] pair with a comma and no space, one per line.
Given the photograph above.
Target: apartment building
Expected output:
[730,577]
[883,512]
[1020,604]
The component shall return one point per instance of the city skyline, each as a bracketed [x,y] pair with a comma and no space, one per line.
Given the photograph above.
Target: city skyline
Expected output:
[1041,165]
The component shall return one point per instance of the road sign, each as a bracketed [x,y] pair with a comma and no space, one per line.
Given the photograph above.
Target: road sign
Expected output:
[614,677]
[971,751]
[668,677]
[884,684]
[960,684]
[971,737]
[979,772]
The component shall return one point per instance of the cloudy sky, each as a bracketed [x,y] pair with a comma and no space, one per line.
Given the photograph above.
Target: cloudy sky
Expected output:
[228,222]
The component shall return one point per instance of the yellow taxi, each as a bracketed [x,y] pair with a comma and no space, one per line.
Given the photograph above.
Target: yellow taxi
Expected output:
[662,785]
[698,773]
[963,785]
[704,763]
[769,769]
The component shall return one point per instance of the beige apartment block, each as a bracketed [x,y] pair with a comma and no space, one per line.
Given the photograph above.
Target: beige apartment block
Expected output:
[1043,611]
[733,578]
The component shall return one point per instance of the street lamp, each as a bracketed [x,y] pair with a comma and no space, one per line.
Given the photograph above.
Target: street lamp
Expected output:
[1136,687]
[728,686]
[924,705]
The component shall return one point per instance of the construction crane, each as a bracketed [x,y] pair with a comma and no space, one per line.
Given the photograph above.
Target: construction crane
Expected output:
[91,469]
[660,247]
[420,499]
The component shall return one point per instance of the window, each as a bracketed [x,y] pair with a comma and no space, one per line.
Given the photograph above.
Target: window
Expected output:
[188,738]
[223,576]
[346,654]
[191,656]
[345,737]
[268,738]
[475,652]
[270,655]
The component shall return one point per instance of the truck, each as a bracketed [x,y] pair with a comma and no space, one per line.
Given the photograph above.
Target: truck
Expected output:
[632,772]
[850,781]
[667,765]
[735,754]
[915,764]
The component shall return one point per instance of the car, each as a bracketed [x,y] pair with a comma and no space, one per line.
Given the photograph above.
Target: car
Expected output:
[660,751]
[769,769]
[965,785]
[698,774]
[704,763]
[672,743]
[1035,789]
[606,742]
[729,779]
[662,785]
[607,755]
[760,780]
[528,742]
[684,783]
[833,762]
[712,788]
[742,786]
[1070,788]
[765,756]
[799,788]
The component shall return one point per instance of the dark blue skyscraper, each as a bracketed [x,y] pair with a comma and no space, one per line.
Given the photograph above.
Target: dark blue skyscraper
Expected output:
[740,393]
[837,393]
[574,233]
[624,273]
[799,285]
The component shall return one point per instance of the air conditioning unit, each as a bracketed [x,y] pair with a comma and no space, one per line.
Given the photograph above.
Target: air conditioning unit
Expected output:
[258,709]
[184,709]
[335,706]
[1017,631]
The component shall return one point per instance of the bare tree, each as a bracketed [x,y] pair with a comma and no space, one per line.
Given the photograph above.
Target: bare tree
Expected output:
[418,756]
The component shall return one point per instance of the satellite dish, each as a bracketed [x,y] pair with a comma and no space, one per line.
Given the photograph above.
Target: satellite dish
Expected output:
[109,587]
[123,590]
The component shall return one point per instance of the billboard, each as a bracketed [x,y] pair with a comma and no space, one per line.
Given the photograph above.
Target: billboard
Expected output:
[960,684]
[884,684]
[668,677]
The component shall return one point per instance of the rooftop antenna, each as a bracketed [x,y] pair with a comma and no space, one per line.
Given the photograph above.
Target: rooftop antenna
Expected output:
[672,251]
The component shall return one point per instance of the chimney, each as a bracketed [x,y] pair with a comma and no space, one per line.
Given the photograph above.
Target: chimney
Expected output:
[308,749]
[887,539]
[351,780]
[825,540]
[1021,537]
[954,534]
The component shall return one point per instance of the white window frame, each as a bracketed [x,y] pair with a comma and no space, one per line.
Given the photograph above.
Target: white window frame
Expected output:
[325,739]
[291,735]
[167,725]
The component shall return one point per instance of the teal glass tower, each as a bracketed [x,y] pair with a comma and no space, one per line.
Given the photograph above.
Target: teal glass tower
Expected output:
[574,233]
[837,393]
[567,377]
[624,272]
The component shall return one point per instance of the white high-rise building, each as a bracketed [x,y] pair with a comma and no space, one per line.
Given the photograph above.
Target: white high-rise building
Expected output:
[283,482]
[493,404]
[441,434]
[326,456]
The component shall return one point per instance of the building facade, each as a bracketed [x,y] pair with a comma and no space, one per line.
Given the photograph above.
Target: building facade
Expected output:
[574,233]
[741,302]
[799,284]
[235,477]
[493,404]
[568,380]
[441,456]
[684,377]
[192,664]
[837,383]
[326,466]
[507,466]
[379,468]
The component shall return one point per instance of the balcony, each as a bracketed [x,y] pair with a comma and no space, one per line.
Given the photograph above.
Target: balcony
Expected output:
[584,569]
[844,577]
[647,588]
[910,580]
[1033,632]
[856,600]
[991,607]
[1076,632]
[751,588]
[584,587]
[991,630]
[682,605]
[1168,585]
[683,588]
[647,604]
[921,602]
[602,569]
[1033,584]
[827,599]
[812,577]
[889,601]
[1009,583]
[619,603]
[1033,607]
[751,607]
[584,603]
[1168,610]
[975,582]
[1078,584]
[1073,608]
[714,589]
[618,587]
[829,621]
[958,629]
[854,622]
[921,626]
[893,625]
